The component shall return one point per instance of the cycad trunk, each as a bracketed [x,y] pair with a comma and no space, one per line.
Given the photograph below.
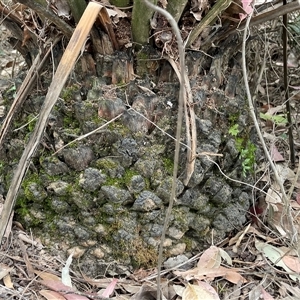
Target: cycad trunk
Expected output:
[106,195]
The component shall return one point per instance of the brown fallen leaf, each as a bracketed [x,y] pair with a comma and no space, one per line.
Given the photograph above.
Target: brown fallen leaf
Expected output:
[75,297]
[110,288]
[209,266]
[59,287]
[211,258]
[275,155]
[292,262]
[47,276]
[146,292]
[4,270]
[56,285]
[29,267]
[199,292]
[51,295]
[7,281]
[234,277]
[231,275]
[100,283]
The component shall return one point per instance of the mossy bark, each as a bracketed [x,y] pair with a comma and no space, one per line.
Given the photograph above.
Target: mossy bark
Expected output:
[141,15]
[42,2]
[77,8]
[120,3]
[176,7]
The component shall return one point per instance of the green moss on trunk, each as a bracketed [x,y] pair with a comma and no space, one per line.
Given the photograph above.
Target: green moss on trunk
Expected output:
[141,15]
[175,8]
[77,8]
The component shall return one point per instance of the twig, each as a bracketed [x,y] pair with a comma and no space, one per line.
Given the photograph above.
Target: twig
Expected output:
[262,18]
[294,182]
[293,233]
[273,14]
[42,10]
[88,134]
[238,181]
[26,124]
[286,85]
[182,93]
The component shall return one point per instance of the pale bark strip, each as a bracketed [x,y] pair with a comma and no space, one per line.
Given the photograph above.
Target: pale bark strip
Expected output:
[191,153]
[64,68]
[190,123]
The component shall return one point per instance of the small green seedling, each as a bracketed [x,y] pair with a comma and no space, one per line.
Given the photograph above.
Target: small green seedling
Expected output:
[246,149]
[277,120]
[234,130]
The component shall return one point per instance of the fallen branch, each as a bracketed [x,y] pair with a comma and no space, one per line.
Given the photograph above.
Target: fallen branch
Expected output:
[260,18]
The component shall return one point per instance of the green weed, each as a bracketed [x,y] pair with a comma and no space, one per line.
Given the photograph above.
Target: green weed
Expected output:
[246,149]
